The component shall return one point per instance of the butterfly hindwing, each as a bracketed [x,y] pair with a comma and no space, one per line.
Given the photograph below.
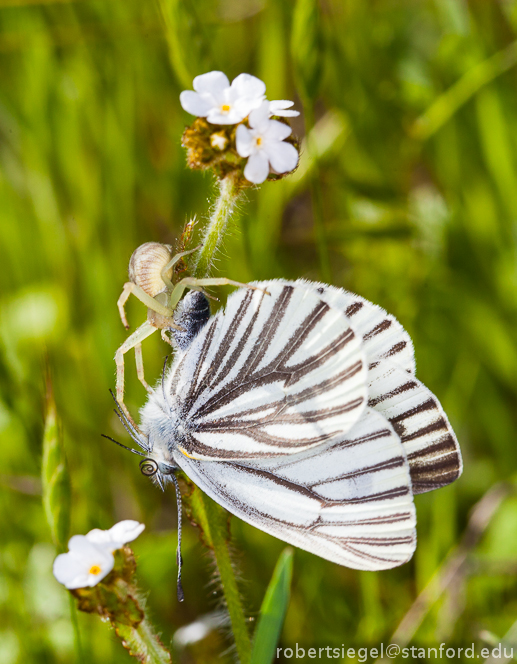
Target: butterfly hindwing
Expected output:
[416,415]
[349,502]
[273,374]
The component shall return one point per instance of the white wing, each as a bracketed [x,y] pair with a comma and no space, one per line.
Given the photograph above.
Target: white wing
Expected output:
[383,336]
[273,374]
[349,502]
[416,415]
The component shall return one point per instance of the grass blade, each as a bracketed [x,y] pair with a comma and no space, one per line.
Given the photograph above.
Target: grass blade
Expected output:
[273,610]
[55,477]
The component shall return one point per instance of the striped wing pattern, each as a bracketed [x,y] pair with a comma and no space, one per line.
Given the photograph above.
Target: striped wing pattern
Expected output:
[274,374]
[383,336]
[416,414]
[298,411]
[350,502]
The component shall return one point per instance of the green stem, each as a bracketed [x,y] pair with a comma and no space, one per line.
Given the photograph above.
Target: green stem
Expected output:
[143,643]
[228,195]
[213,521]
[77,633]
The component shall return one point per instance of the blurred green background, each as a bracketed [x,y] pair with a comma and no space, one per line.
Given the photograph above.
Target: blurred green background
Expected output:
[407,194]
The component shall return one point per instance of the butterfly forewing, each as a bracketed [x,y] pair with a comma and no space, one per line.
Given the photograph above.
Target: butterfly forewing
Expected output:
[349,502]
[383,336]
[273,374]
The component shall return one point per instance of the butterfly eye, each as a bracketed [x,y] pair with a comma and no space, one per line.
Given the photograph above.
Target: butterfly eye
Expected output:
[148,467]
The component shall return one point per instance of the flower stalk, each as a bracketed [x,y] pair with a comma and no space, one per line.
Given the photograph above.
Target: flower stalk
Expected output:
[213,522]
[117,600]
[230,189]
[141,642]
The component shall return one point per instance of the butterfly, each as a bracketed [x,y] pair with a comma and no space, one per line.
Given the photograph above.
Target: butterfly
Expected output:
[297,409]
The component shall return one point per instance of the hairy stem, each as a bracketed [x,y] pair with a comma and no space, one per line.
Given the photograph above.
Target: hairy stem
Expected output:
[213,521]
[143,643]
[214,234]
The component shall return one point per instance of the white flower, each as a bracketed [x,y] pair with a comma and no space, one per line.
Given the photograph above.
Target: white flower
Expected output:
[84,565]
[115,538]
[264,144]
[90,557]
[221,103]
[279,107]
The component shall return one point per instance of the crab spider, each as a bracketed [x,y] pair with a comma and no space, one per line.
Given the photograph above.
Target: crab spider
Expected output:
[151,273]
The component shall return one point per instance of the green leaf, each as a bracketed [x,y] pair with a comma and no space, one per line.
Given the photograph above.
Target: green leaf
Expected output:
[273,610]
[55,476]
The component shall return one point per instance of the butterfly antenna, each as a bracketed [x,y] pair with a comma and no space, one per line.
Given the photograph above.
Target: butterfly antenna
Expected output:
[128,425]
[129,449]
[179,559]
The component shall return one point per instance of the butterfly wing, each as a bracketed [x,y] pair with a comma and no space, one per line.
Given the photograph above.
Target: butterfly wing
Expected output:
[416,414]
[272,375]
[349,502]
[383,336]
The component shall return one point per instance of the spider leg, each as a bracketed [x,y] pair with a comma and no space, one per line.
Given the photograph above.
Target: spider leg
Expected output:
[197,284]
[166,338]
[133,341]
[150,302]
[140,368]
[173,262]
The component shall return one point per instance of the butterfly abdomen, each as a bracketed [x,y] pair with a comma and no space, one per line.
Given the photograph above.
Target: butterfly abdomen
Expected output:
[192,315]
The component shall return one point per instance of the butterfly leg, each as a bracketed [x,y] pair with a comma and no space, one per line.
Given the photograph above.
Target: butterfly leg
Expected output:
[197,284]
[133,341]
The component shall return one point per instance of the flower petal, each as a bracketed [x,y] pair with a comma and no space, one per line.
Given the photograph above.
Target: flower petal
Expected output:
[98,536]
[213,83]
[126,531]
[244,141]
[257,168]
[259,118]
[246,85]
[68,570]
[106,567]
[282,156]
[74,571]
[277,131]
[194,103]
[279,106]
[82,547]
[216,116]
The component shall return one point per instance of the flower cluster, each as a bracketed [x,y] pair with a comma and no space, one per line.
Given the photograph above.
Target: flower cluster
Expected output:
[235,122]
[90,557]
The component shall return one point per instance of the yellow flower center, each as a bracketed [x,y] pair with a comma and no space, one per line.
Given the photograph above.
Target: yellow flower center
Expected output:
[259,141]
[95,569]
[225,108]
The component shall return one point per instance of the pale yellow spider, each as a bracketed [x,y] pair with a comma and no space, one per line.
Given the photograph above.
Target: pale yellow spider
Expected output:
[151,273]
